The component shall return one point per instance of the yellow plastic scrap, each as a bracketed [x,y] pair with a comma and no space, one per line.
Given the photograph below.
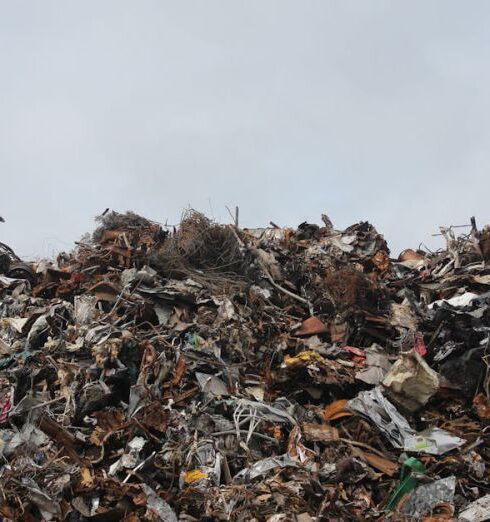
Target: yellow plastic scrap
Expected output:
[194,475]
[303,359]
[87,481]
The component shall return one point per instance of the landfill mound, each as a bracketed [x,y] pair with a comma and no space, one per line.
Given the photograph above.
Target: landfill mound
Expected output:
[209,372]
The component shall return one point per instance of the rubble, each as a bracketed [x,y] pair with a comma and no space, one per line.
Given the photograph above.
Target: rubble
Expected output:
[208,372]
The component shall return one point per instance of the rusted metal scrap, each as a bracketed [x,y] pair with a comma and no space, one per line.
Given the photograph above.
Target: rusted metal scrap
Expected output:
[208,372]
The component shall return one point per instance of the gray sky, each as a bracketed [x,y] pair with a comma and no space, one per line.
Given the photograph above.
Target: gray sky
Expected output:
[376,110]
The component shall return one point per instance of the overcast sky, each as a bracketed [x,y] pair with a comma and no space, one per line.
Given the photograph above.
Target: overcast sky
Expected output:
[372,110]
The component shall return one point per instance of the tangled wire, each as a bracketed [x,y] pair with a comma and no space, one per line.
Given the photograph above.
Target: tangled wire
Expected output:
[201,248]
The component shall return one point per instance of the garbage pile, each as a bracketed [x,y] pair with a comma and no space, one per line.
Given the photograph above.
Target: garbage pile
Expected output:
[208,372]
